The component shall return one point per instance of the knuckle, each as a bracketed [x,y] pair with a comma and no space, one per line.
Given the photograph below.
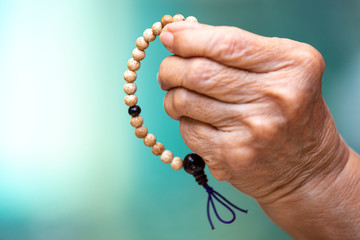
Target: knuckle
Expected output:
[295,102]
[162,73]
[288,100]
[180,98]
[229,44]
[174,103]
[310,58]
[237,152]
[197,69]
[266,128]
[166,71]
[292,98]
[168,106]
[247,159]
[205,74]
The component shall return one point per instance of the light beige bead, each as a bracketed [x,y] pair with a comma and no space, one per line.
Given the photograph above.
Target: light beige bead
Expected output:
[166,19]
[138,54]
[178,18]
[141,43]
[136,121]
[141,132]
[176,163]
[191,19]
[129,76]
[130,100]
[156,28]
[129,88]
[150,140]
[133,65]
[167,156]
[149,35]
[158,149]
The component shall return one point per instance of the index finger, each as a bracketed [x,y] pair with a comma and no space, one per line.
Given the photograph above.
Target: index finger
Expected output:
[230,46]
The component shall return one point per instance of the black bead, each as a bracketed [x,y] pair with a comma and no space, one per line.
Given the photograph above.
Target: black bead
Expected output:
[193,164]
[134,110]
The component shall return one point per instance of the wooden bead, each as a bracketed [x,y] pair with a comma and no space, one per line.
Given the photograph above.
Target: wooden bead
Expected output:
[156,28]
[133,65]
[129,76]
[149,35]
[167,156]
[130,88]
[138,54]
[150,140]
[191,19]
[136,122]
[166,20]
[176,163]
[141,43]
[178,18]
[158,149]
[141,132]
[130,100]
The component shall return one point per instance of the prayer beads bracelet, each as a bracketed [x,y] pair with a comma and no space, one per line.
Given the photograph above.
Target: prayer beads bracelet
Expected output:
[193,163]
[130,76]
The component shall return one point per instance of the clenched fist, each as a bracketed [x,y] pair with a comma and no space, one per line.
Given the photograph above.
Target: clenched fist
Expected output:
[252,107]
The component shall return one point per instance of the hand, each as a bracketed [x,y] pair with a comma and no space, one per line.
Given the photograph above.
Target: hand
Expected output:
[252,107]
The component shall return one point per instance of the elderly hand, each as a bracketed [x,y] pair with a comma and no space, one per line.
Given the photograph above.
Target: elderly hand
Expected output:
[252,107]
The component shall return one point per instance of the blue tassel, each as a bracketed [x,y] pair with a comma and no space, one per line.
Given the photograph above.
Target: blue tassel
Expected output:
[223,201]
[194,165]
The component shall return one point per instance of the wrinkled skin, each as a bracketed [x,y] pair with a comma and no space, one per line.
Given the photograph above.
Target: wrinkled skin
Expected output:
[252,107]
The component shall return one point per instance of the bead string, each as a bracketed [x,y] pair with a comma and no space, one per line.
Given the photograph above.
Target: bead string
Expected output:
[193,163]
[131,100]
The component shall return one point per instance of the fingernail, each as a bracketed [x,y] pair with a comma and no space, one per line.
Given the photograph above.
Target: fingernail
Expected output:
[167,38]
[157,77]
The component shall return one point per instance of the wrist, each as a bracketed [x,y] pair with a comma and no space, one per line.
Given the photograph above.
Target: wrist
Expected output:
[328,209]
[314,209]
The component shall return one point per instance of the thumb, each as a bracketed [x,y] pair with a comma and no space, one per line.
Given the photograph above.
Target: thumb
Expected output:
[230,46]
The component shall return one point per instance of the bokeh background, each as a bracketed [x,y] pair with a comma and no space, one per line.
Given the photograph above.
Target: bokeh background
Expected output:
[70,165]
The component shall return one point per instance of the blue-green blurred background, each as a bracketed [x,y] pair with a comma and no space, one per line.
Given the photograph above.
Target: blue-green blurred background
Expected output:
[70,165]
